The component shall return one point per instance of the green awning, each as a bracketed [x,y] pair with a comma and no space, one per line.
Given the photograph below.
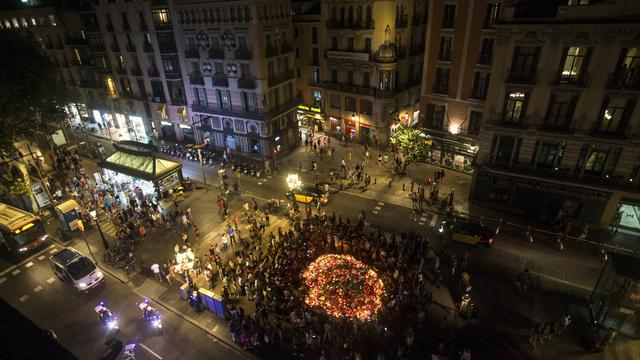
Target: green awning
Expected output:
[143,165]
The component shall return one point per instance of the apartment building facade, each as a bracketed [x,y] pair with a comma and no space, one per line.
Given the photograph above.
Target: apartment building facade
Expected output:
[560,139]
[371,60]
[306,28]
[458,57]
[238,61]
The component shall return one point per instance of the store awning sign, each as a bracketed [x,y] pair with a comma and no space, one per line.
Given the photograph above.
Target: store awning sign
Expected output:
[309,108]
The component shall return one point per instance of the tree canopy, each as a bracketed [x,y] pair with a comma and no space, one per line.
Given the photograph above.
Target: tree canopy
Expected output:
[413,144]
[31,95]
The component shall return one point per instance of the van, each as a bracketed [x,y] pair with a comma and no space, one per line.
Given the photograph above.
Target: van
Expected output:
[71,266]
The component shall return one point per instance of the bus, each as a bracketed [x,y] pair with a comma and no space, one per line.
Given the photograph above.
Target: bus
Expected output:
[21,232]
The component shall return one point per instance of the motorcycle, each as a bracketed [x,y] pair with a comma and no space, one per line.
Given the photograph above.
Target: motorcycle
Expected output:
[150,315]
[106,317]
[129,352]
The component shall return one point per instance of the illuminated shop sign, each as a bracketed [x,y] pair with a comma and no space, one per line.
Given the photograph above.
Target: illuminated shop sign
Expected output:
[309,108]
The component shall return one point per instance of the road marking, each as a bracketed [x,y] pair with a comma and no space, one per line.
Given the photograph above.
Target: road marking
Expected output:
[10,269]
[215,328]
[434,220]
[423,218]
[3,279]
[269,177]
[37,288]
[24,298]
[377,208]
[29,264]
[259,183]
[51,280]
[150,351]
[380,203]
[15,272]
[374,212]
[366,223]
[53,250]
[420,223]
[41,257]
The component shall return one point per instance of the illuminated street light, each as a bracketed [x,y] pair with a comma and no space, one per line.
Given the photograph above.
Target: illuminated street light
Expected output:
[293,181]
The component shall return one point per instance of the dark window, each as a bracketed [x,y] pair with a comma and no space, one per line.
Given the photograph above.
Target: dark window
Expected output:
[449,16]
[166,42]
[560,110]
[475,119]
[298,73]
[490,15]
[367,44]
[315,58]
[335,101]
[366,107]
[444,53]
[334,75]
[525,62]
[486,51]
[201,96]
[350,103]
[366,79]
[548,154]
[435,116]
[158,90]
[441,85]
[314,35]
[507,149]
[334,43]
[224,98]
[350,43]
[315,76]
[480,85]
[297,52]
[350,77]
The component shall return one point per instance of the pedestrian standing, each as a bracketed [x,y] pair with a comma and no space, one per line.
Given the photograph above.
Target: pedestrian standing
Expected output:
[155,268]
[166,273]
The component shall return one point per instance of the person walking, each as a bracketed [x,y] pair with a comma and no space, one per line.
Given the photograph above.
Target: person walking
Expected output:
[166,273]
[155,268]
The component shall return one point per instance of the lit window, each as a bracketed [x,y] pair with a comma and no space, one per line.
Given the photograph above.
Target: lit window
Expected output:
[161,17]
[111,88]
[52,20]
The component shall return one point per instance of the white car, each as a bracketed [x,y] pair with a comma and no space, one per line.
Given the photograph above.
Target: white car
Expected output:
[70,265]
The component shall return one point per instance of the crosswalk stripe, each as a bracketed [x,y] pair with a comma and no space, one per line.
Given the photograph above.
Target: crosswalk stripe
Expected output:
[24,298]
[37,288]
[51,280]
[378,208]
[374,212]
[259,183]
[423,218]
[29,264]
[380,203]
[420,223]
[15,272]
[53,250]
[3,279]
[41,257]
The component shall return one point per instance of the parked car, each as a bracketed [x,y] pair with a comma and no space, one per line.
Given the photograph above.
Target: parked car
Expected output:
[308,195]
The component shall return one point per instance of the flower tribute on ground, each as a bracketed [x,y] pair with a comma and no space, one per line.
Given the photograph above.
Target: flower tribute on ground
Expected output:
[343,287]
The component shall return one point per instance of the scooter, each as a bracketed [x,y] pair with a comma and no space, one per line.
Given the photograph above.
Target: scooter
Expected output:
[106,317]
[150,315]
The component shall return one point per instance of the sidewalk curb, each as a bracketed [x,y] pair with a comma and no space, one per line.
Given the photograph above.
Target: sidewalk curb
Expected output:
[195,323]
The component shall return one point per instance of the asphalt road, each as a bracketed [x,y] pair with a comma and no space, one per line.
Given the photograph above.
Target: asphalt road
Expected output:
[35,291]
[574,268]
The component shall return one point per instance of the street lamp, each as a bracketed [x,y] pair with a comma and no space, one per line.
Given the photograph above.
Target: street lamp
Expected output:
[94,217]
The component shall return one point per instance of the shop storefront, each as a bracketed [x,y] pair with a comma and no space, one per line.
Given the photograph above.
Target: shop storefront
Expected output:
[309,118]
[615,300]
[629,214]
[135,167]
[351,129]
[336,125]
[452,154]
[537,198]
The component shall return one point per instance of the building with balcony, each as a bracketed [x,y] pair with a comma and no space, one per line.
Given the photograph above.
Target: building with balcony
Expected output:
[306,27]
[459,53]
[560,140]
[112,52]
[238,62]
[371,61]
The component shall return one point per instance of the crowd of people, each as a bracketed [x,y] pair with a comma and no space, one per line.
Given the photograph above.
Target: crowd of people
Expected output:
[258,273]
